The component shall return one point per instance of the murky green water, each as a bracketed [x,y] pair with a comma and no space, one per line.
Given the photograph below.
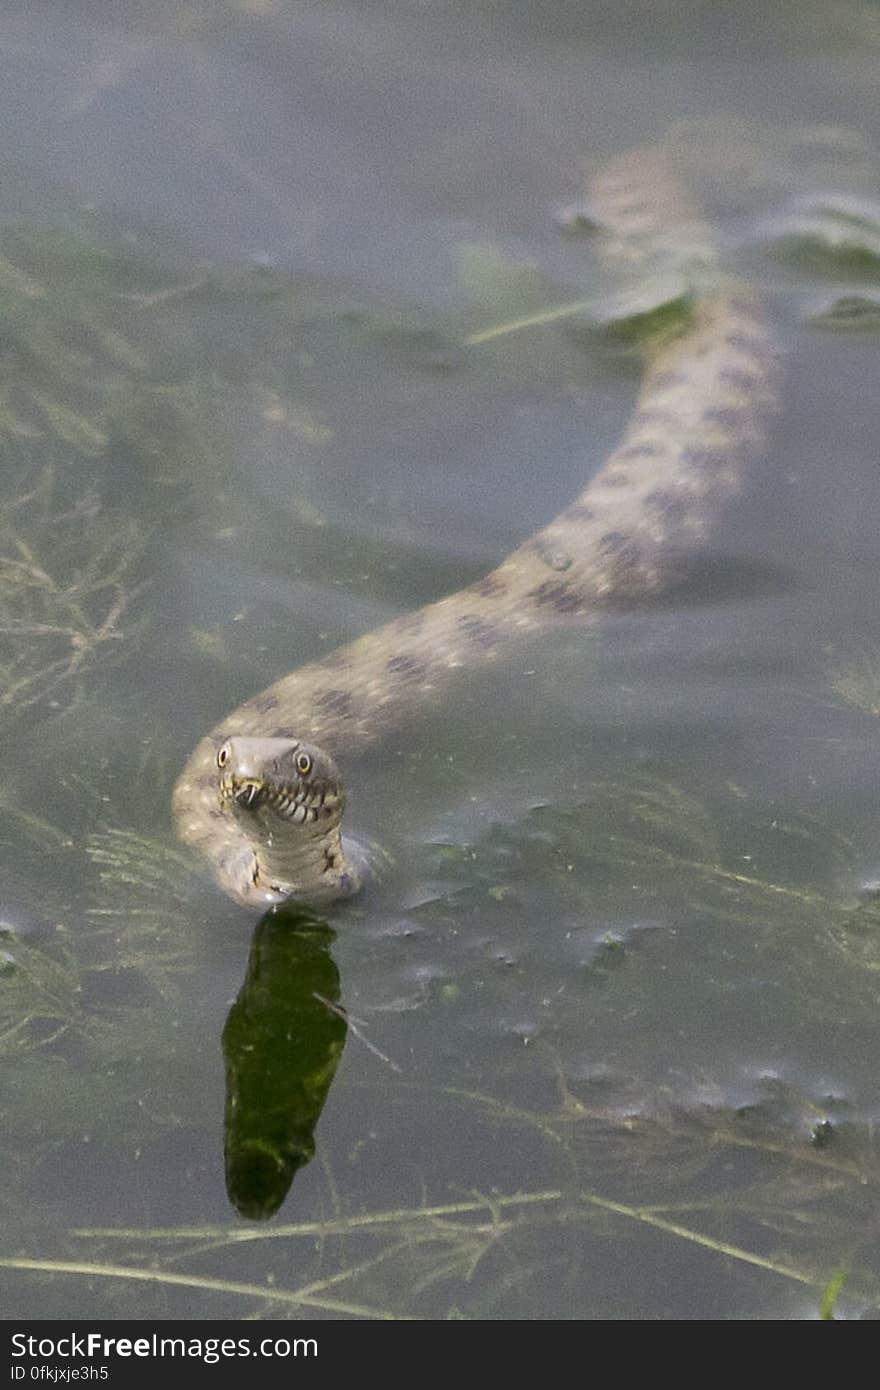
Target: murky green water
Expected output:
[612,1040]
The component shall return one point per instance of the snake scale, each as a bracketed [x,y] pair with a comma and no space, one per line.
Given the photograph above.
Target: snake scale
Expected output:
[261,796]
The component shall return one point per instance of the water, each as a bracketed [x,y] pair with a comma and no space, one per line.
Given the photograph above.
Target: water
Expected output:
[611,1048]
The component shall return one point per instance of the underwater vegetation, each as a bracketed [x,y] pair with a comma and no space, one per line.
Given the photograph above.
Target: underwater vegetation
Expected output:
[610,1179]
[608,1162]
[855,677]
[68,581]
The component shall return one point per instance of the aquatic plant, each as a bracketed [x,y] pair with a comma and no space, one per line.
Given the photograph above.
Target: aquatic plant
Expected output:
[641,849]
[855,677]
[38,994]
[68,579]
[606,1168]
[658,1174]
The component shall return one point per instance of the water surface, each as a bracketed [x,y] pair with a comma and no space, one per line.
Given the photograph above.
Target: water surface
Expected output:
[612,1042]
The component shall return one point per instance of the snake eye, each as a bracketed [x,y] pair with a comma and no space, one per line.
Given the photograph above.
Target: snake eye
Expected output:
[303,764]
[223,756]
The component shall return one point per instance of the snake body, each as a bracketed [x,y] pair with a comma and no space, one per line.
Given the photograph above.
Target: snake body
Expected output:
[697,418]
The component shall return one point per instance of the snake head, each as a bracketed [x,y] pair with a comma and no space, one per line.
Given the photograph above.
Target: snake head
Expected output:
[282,780]
[286,798]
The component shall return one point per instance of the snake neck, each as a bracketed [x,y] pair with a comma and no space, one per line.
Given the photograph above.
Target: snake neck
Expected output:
[313,867]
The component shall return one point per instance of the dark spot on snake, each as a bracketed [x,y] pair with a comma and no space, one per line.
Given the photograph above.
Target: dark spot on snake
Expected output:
[652,415]
[405,666]
[615,477]
[580,512]
[410,623]
[336,661]
[555,594]
[626,565]
[738,377]
[265,702]
[552,556]
[741,304]
[478,630]
[663,379]
[336,701]
[613,542]
[329,860]
[489,586]
[746,342]
[640,451]
[671,504]
[728,417]
[705,458]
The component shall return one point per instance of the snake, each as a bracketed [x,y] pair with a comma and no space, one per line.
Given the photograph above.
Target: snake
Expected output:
[262,795]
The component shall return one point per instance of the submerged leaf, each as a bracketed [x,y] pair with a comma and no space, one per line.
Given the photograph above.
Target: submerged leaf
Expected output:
[656,311]
[842,234]
[850,313]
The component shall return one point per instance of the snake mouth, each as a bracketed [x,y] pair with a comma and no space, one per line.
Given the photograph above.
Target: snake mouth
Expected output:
[244,792]
[293,804]
[247,794]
